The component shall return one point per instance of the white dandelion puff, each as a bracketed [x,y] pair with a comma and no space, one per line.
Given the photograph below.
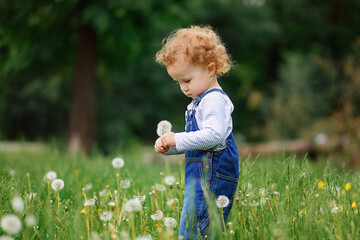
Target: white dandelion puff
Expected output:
[158,187]
[254,203]
[125,183]
[57,184]
[105,216]
[18,204]
[170,222]
[12,172]
[11,224]
[335,210]
[163,127]
[169,180]
[171,202]
[30,221]
[31,196]
[89,202]
[147,237]
[118,162]
[158,215]
[88,186]
[4,237]
[51,175]
[222,201]
[133,205]
[111,204]
[141,198]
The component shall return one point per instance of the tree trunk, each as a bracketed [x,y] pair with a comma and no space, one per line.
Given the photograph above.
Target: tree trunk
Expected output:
[82,116]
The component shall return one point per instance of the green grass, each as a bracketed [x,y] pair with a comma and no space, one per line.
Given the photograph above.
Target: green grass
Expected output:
[297,200]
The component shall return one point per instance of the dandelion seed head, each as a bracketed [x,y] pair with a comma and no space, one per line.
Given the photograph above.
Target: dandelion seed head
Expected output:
[4,237]
[18,204]
[125,183]
[11,224]
[163,127]
[31,221]
[51,175]
[57,184]
[118,162]
[141,198]
[158,215]
[133,205]
[169,180]
[105,216]
[88,186]
[146,237]
[335,210]
[222,201]
[158,187]
[170,222]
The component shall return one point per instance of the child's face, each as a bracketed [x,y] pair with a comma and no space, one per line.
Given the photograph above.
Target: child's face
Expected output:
[193,80]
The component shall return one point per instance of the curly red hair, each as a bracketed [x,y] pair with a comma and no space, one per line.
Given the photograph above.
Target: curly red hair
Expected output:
[196,45]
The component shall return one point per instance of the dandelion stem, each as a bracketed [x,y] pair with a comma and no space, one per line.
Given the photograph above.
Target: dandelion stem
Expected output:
[28,177]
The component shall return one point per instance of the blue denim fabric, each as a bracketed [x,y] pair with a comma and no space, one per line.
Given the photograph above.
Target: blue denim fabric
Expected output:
[220,177]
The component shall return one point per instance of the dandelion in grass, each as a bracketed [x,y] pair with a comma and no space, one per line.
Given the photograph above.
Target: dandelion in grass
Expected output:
[31,196]
[172,202]
[147,237]
[158,187]
[254,203]
[169,180]
[163,127]
[133,205]
[141,198]
[12,172]
[89,202]
[222,201]
[88,186]
[118,162]
[51,175]
[104,193]
[321,184]
[158,215]
[11,224]
[261,192]
[244,203]
[18,204]
[125,183]
[353,204]
[170,222]
[347,186]
[31,221]
[335,209]
[57,184]
[112,206]
[105,216]
[4,237]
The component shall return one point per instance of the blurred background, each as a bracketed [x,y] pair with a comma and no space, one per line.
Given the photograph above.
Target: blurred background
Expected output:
[81,74]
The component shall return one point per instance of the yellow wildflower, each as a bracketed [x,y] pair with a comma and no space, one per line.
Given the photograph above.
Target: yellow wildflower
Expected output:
[355,195]
[353,205]
[321,184]
[347,186]
[302,211]
[294,219]
[76,172]
[99,210]
[343,192]
[356,211]
[84,211]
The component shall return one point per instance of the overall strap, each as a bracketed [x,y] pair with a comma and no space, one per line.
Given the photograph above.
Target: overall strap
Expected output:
[198,99]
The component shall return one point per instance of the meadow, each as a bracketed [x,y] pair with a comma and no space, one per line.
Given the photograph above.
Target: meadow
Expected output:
[52,195]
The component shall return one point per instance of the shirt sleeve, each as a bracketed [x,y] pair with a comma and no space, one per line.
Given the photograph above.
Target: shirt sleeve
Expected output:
[173,151]
[214,116]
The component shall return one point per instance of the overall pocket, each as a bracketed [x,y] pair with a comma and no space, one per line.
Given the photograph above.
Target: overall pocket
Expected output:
[225,185]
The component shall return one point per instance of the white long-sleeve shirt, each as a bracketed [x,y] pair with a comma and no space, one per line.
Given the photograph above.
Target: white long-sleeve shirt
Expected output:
[213,116]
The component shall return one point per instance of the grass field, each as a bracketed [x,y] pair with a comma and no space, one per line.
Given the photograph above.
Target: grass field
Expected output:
[278,198]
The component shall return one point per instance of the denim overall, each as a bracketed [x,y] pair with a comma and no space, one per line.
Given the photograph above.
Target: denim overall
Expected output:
[219,177]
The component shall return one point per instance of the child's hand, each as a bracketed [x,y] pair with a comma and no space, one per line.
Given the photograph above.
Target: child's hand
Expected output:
[159,147]
[168,139]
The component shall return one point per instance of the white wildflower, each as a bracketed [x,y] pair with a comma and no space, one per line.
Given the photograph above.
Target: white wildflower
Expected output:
[133,205]
[158,215]
[11,224]
[89,202]
[51,175]
[335,210]
[18,204]
[163,127]
[30,221]
[222,201]
[111,204]
[158,187]
[12,172]
[171,202]
[105,216]
[57,184]
[4,237]
[118,162]
[147,237]
[88,186]
[141,198]
[125,183]
[169,180]
[170,222]
[104,193]
[31,196]
[261,192]
[254,203]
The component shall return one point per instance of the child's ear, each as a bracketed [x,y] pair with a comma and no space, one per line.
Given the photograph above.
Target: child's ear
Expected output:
[211,69]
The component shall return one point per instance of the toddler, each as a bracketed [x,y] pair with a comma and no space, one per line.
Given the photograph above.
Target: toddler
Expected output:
[194,57]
